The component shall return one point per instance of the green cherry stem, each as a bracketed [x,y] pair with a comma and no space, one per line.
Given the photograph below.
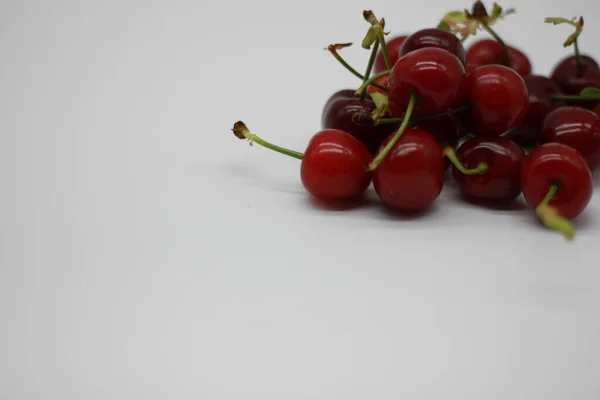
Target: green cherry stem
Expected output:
[361,90]
[550,216]
[384,152]
[481,168]
[382,121]
[386,56]
[332,48]
[492,32]
[578,56]
[367,78]
[240,130]
[575,97]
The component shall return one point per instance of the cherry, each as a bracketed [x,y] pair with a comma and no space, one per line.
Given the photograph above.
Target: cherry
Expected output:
[498,98]
[572,80]
[334,166]
[597,109]
[540,90]
[489,51]
[434,75]
[557,183]
[576,127]
[445,129]
[411,177]
[488,168]
[434,37]
[382,81]
[338,113]
[393,48]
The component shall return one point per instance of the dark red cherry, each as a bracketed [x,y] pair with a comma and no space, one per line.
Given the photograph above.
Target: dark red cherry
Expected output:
[572,81]
[557,164]
[436,76]
[502,179]
[393,48]
[445,129]
[597,110]
[434,37]
[382,81]
[498,98]
[488,51]
[334,166]
[411,177]
[338,114]
[539,89]
[576,127]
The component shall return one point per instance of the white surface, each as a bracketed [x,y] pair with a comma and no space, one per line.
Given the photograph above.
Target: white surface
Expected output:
[147,253]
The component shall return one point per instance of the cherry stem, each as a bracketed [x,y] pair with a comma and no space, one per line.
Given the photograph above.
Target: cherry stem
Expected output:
[578,56]
[386,56]
[451,111]
[361,90]
[354,72]
[240,130]
[367,78]
[550,216]
[384,152]
[481,168]
[492,32]
[575,97]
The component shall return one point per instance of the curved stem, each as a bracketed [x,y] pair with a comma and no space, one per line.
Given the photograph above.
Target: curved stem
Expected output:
[451,111]
[480,169]
[386,56]
[354,72]
[361,90]
[492,32]
[369,69]
[240,130]
[578,56]
[550,216]
[384,152]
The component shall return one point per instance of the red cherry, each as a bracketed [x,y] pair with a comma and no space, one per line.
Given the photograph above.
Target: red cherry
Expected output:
[576,127]
[393,48]
[434,37]
[334,166]
[444,129]
[382,81]
[539,89]
[498,98]
[488,51]
[597,110]
[501,179]
[572,81]
[338,114]
[436,76]
[411,177]
[557,164]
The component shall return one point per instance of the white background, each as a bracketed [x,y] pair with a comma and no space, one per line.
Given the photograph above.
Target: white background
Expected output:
[147,253]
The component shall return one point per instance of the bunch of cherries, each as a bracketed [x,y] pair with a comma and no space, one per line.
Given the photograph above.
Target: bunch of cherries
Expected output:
[427,104]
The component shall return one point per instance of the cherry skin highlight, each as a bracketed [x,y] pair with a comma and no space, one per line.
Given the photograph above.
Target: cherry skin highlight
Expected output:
[502,179]
[338,113]
[576,127]
[490,52]
[557,164]
[436,76]
[393,48]
[539,89]
[334,166]
[498,98]
[434,37]
[411,177]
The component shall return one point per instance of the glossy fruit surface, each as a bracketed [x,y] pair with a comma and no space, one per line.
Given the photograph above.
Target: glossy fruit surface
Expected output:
[557,164]
[576,127]
[410,178]
[434,37]
[502,180]
[436,76]
[393,48]
[498,98]
[491,52]
[339,112]
[539,89]
[334,166]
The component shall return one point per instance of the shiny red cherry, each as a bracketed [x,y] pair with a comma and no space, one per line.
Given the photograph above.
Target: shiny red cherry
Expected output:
[576,127]
[488,51]
[411,177]
[393,48]
[557,164]
[334,166]
[436,76]
[501,179]
[382,81]
[339,111]
[434,37]
[498,98]
[539,89]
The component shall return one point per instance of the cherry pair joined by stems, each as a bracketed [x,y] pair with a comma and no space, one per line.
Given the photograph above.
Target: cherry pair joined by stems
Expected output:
[557,183]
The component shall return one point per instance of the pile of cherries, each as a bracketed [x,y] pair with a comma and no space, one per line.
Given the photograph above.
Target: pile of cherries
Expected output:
[427,104]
